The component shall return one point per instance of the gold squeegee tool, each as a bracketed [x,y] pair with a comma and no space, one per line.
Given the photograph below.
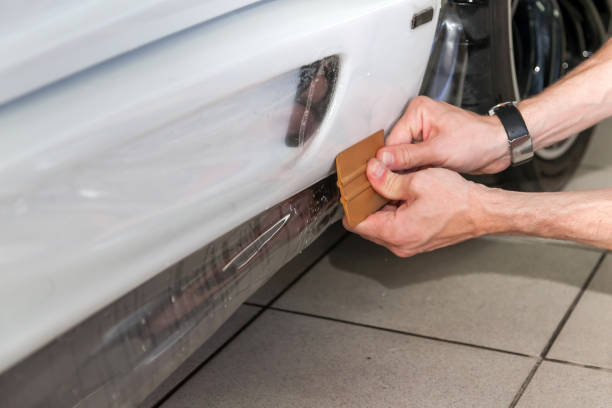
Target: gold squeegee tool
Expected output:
[356,193]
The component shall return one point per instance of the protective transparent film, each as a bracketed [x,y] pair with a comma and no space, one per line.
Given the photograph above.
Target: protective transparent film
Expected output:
[219,154]
[120,354]
[117,172]
[85,220]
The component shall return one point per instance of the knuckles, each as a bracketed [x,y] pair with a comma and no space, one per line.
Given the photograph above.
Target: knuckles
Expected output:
[402,155]
[393,239]
[402,253]
[404,246]
[419,102]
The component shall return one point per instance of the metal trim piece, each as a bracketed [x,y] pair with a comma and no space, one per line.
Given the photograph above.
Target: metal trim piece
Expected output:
[422,17]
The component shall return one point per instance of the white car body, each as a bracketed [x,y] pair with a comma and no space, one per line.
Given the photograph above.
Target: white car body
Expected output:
[135,133]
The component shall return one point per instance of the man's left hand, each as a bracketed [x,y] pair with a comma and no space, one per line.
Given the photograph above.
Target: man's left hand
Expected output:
[432,208]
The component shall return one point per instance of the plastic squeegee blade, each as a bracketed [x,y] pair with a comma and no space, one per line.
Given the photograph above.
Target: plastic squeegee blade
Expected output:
[356,193]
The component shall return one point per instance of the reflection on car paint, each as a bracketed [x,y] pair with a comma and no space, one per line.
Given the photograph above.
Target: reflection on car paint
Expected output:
[470,51]
[446,72]
[312,99]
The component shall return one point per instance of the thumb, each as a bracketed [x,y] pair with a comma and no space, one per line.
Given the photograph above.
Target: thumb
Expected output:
[408,156]
[388,184]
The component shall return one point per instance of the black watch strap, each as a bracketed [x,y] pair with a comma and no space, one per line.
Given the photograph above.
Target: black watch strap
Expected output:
[521,145]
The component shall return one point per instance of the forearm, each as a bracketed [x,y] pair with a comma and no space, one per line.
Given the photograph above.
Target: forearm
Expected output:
[584,216]
[581,99]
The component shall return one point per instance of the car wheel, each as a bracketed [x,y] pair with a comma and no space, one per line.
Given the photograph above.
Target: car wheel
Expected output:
[550,38]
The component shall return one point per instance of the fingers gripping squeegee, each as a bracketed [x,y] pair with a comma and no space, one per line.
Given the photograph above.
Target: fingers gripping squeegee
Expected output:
[357,195]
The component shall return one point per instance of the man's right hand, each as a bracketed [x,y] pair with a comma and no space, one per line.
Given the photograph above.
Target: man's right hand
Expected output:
[436,134]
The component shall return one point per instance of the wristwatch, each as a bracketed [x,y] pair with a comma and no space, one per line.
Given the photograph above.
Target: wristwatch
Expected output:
[521,145]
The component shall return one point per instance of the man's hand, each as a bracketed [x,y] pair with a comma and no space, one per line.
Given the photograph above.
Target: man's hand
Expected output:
[434,208]
[437,207]
[436,134]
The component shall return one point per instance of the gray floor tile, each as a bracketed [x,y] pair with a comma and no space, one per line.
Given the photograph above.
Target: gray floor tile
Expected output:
[227,330]
[586,337]
[293,269]
[285,360]
[560,385]
[599,152]
[497,294]
[595,170]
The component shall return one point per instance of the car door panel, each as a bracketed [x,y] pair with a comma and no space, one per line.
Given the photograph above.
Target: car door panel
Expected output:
[116,172]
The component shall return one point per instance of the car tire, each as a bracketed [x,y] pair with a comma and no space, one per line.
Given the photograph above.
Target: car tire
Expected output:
[574,29]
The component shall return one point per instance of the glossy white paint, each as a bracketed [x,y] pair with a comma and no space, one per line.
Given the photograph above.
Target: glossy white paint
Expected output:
[44,40]
[117,172]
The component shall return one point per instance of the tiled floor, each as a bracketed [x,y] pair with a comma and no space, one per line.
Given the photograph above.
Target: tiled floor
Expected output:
[494,322]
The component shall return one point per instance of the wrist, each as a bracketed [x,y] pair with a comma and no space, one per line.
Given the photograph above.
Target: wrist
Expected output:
[483,210]
[528,109]
[496,211]
[518,213]
[500,146]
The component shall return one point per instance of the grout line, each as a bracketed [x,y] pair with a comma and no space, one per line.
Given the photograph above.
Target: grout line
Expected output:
[590,367]
[269,306]
[254,304]
[526,383]
[557,331]
[203,363]
[406,333]
[571,308]
[246,325]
